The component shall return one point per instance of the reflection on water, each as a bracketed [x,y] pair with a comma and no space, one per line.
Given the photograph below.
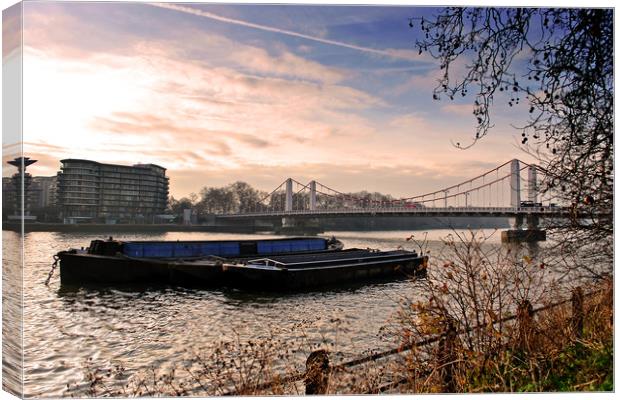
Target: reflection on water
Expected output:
[12,312]
[159,326]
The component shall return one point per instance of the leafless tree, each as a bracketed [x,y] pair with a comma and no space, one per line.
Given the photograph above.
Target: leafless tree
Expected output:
[560,63]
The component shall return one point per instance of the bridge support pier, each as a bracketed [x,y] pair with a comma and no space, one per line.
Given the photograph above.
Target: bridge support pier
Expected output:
[518,222]
[532,222]
[524,235]
[263,226]
[299,226]
[532,233]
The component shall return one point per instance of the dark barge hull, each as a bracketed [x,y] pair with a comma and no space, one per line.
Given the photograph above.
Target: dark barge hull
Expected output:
[79,269]
[273,264]
[302,278]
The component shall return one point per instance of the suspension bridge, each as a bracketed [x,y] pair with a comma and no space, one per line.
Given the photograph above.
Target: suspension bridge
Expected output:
[511,189]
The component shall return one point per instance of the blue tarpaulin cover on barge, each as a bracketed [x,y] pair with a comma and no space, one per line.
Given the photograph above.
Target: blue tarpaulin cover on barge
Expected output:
[220,249]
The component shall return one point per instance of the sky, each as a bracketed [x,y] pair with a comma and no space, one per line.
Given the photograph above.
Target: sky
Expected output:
[259,93]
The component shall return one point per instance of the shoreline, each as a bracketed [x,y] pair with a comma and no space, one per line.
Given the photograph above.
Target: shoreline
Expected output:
[115,228]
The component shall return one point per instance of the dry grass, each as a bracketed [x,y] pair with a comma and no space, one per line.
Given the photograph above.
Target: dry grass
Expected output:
[479,286]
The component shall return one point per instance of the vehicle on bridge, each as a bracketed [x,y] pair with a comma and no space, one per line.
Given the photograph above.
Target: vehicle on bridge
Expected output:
[529,203]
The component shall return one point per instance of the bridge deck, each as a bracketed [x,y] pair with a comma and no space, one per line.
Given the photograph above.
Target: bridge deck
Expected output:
[411,211]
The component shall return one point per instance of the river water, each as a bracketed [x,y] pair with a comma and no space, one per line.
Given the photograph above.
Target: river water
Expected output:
[159,326]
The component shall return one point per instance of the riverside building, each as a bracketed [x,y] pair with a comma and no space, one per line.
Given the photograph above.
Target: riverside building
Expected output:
[89,191]
[43,192]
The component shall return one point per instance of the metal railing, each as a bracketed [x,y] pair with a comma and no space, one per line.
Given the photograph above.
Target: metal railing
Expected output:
[545,210]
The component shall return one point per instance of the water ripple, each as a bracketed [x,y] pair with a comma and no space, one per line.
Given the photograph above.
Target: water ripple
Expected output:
[141,327]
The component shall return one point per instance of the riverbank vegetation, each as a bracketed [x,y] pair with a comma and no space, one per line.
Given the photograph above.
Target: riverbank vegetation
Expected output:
[483,298]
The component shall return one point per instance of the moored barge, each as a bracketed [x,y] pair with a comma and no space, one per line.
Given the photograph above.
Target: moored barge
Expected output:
[280,264]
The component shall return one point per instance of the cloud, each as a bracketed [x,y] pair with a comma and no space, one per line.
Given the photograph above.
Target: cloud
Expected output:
[11,30]
[194,11]
[178,104]
[410,123]
[206,156]
[214,110]
[464,110]
[424,83]
[345,178]
[187,115]
[144,123]
[97,43]
[304,48]
[164,132]
[11,147]
[62,35]
[190,101]
[285,64]
[216,50]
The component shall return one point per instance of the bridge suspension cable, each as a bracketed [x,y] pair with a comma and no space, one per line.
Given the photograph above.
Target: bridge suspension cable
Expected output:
[485,190]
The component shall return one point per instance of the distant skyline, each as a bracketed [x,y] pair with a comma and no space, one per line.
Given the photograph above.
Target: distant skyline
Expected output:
[219,93]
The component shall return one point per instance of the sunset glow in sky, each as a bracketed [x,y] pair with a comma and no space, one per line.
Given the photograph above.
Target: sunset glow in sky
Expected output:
[220,93]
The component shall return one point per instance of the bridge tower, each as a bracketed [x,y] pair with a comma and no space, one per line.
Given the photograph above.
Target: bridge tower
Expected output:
[515,184]
[288,203]
[532,195]
[312,195]
[532,185]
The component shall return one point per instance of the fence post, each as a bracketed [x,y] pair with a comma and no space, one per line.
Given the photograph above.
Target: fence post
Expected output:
[447,357]
[317,372]
[525,314]
[608,284]
[577,317]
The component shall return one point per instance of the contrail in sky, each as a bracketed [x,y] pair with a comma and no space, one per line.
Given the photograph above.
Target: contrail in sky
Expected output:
[205,14]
